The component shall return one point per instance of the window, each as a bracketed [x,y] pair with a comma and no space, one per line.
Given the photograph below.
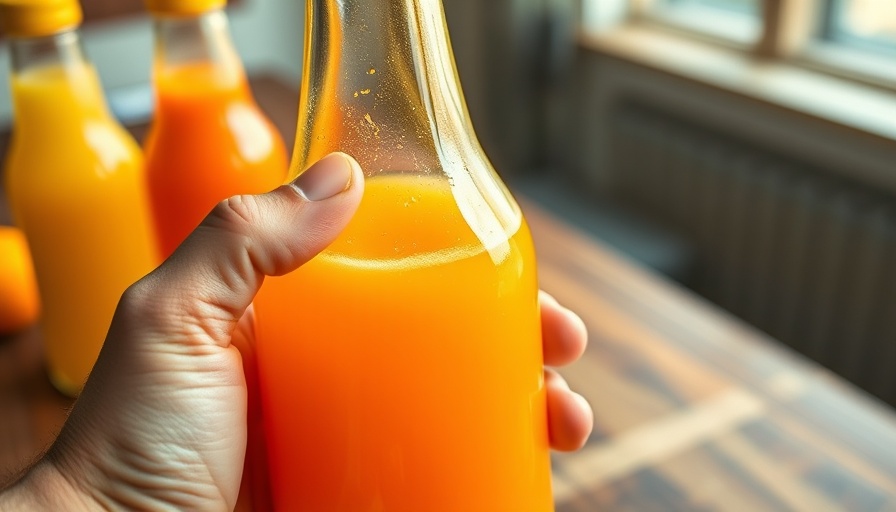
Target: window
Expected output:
[748,7]
[856,38]
[863,24]
[733,20]
[851,38]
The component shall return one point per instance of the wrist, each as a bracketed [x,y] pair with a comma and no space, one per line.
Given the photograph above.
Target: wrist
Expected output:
[44,487]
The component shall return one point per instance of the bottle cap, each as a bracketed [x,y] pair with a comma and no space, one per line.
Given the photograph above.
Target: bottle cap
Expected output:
[183,7]
[36,18]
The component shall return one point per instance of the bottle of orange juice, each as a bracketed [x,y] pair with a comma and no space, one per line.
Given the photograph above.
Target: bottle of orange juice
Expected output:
[75,183]
[401,369]
[208,140]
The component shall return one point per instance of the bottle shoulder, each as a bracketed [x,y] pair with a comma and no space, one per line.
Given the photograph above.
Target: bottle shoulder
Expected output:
[92,148]
[409,221]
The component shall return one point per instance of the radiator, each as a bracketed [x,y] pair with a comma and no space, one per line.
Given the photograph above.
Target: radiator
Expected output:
[806,257]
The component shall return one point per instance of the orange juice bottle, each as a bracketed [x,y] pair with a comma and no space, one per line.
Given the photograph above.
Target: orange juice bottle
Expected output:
[401,369]
[75,183]
[208,140]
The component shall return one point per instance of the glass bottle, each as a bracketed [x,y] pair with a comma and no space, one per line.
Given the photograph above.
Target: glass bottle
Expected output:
[208,140]
[75,183]
[401,369]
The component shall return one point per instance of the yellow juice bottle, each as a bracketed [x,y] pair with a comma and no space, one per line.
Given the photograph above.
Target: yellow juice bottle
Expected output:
[401,369]
[75,184]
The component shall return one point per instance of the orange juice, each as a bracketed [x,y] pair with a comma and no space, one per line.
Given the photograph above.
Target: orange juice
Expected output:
[401,369]
[75,185]
[209,141]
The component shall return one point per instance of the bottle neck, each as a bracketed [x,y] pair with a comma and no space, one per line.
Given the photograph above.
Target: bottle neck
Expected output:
[380,83]
[59,50]
[196,51]
[53,81]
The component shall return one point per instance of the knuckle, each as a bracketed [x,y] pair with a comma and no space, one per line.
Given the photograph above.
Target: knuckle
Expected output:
[237,213]
[139,300]
[131,299]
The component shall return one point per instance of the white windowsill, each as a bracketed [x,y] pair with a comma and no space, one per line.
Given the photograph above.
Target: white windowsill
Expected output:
[845,102]
[843,61]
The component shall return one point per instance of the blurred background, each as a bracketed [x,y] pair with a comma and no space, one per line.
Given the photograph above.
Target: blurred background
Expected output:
[743,148]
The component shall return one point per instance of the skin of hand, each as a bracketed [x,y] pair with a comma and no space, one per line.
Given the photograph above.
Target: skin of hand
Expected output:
[161,423]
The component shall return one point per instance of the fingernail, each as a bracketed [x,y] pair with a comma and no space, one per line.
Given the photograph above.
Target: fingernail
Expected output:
[327,178]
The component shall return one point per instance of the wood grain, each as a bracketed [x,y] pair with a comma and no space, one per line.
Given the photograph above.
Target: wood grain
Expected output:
[697,411]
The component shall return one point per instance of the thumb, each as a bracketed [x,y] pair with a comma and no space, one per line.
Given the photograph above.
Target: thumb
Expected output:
[210,280]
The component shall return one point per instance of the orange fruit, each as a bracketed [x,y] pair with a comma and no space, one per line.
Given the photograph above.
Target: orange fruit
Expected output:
[19,300]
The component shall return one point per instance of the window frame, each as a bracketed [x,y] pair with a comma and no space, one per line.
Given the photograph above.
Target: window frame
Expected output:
[790,32]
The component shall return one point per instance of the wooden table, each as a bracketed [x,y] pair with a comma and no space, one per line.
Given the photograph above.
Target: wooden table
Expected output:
[694,410]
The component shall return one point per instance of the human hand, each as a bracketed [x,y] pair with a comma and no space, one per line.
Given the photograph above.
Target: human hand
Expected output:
[161,423]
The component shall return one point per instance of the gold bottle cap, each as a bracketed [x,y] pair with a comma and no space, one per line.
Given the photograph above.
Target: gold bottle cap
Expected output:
[36,18]
[183,7]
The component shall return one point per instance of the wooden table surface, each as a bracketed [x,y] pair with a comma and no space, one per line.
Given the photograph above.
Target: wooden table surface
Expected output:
[694,410]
